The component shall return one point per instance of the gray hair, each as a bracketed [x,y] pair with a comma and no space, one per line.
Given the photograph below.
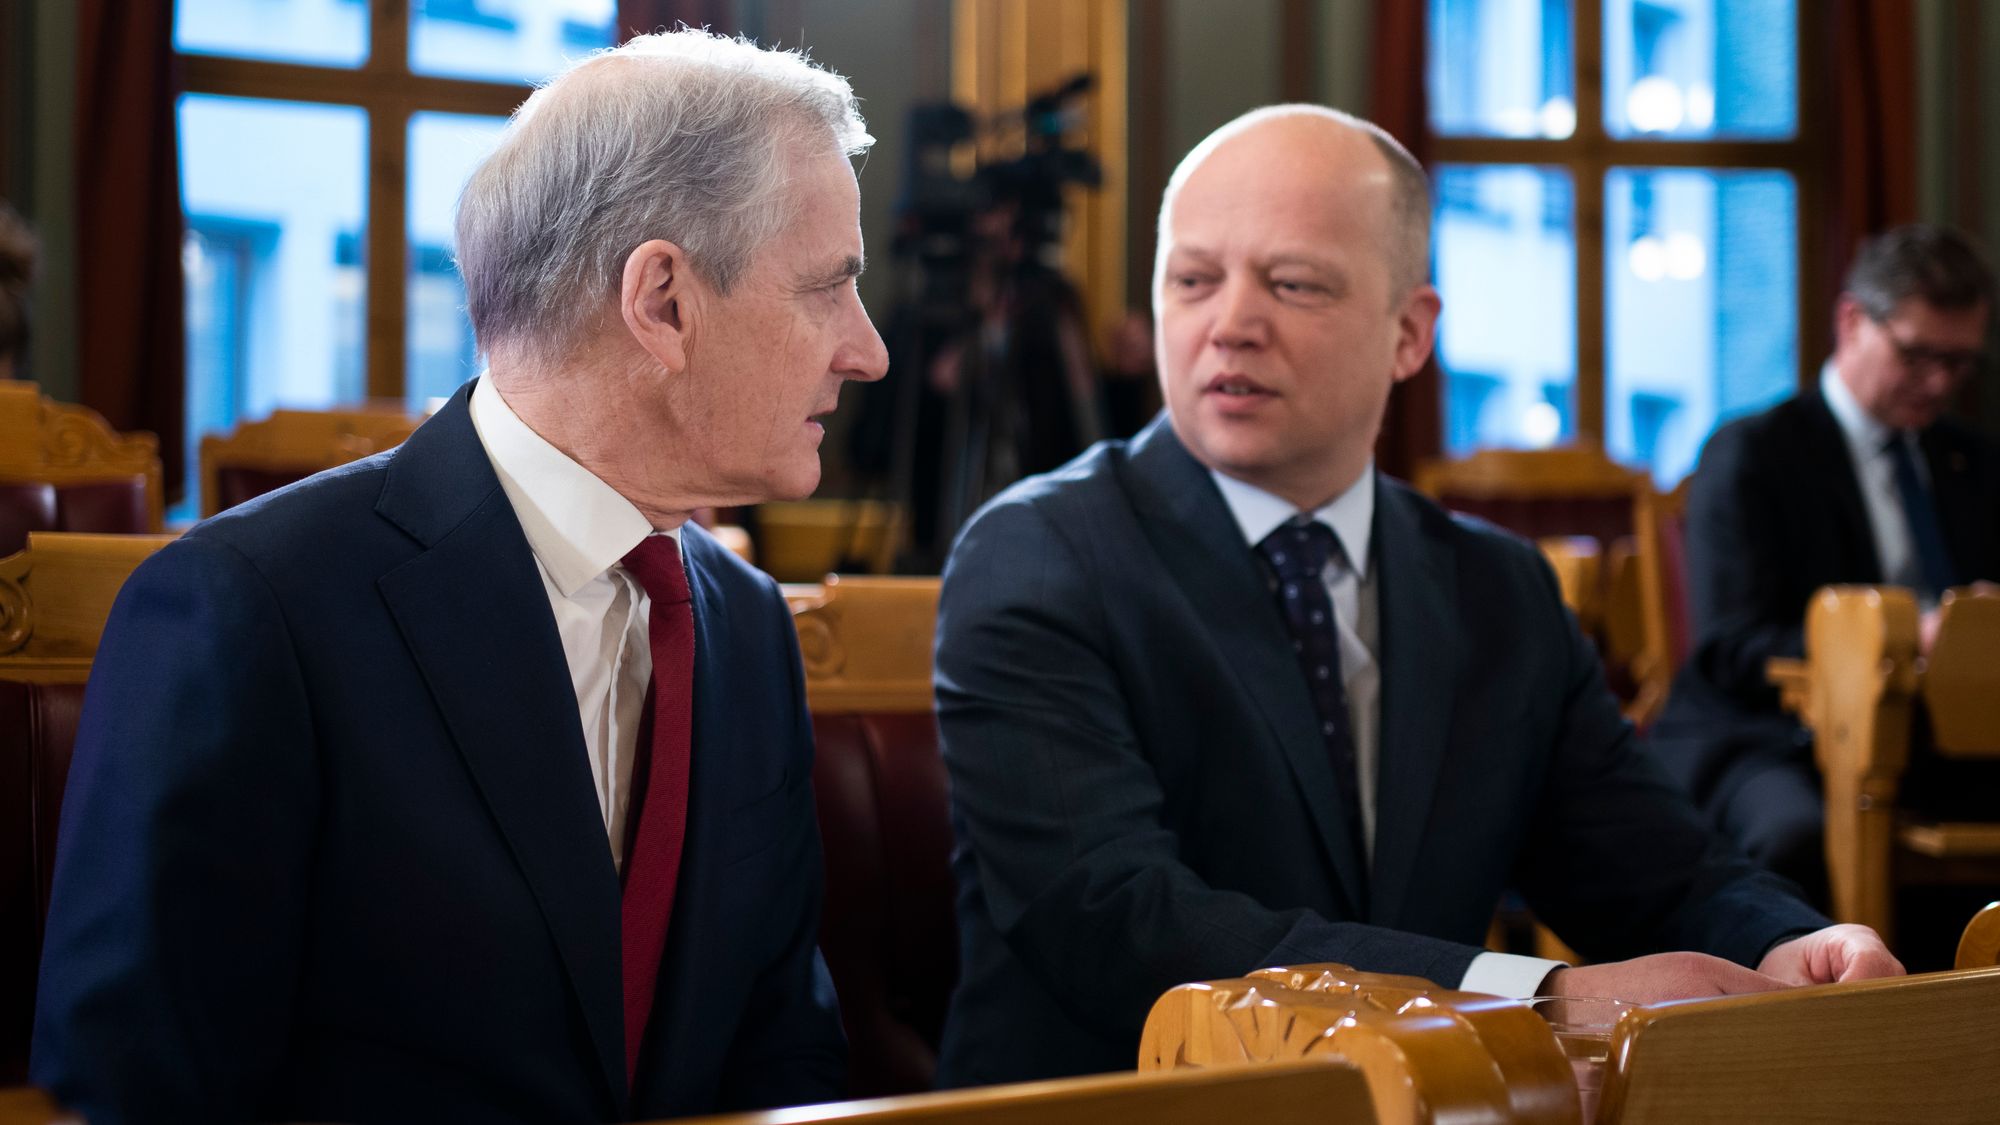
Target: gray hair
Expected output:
[1937,265]
[1409,238]
[684,136]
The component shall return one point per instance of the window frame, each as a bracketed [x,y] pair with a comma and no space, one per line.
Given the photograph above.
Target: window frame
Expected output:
[388,93]
[1590,153]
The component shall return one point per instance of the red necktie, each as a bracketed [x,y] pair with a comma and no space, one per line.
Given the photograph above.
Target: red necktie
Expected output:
[653,860]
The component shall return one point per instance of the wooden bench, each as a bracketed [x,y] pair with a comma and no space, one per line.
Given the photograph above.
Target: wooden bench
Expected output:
[1922,1049]
[1429,1054]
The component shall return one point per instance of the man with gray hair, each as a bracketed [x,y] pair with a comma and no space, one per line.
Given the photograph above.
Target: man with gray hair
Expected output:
[1224,697]
[472,781]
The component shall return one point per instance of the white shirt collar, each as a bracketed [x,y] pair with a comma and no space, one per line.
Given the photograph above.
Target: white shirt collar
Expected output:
[577,525]
[1351,514]
[1865,433]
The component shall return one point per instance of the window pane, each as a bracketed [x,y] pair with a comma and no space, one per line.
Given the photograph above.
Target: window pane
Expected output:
[321,32]
[444,149]
[1506,265]
[1702,272]
[506,40]
[1691,69]
[273,193]
[1502,68]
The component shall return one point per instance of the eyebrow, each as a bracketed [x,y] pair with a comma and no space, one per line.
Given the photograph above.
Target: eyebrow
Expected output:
[849,267]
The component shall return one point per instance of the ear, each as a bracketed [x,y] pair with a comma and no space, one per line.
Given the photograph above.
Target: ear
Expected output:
[656,298]
[1416,330]
[1847,317]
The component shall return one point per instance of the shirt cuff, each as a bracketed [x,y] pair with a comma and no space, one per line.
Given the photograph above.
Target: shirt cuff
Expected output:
[1507,974]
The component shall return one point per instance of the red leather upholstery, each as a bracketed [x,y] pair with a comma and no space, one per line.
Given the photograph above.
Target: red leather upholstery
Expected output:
[235,484]
[114,506]
[888,932]
[37,732]
[1602,518]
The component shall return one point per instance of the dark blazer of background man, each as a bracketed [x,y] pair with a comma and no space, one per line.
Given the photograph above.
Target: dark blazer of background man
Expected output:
[1804,495]
[1141,787]
[344,834]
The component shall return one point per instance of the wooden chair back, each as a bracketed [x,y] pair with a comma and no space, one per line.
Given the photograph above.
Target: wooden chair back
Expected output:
[888,930]
[55,597]
[1861,688]
[1979,946]
[1429,1054]
[1578,491]
[62,468]
[1902,1049]
[1578,561]
[1302,1093]
[292,445]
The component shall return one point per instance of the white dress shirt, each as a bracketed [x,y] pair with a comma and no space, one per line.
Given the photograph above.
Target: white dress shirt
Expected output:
[1875,471]
[1351,583]
[579,528]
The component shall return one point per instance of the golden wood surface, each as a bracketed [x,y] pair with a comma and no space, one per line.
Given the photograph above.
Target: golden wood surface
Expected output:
[1979,946]
[25,1105]
[301,441]
[1859,689]
[44,440]
[1898,1050]
[1302,1093]
[55,596]
[1429,1054]
[802,540]
[866,642]
[1578,561]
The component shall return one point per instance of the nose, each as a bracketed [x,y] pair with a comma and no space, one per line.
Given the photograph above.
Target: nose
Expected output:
[1240,317]
[864,358]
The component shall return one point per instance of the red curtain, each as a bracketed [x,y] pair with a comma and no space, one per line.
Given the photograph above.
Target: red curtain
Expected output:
[1871,62]
[638,17]
[1412,433]
[130,351]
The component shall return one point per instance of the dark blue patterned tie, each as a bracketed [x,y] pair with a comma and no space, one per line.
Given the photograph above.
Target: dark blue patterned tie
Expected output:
[1298,553]
[1933,560]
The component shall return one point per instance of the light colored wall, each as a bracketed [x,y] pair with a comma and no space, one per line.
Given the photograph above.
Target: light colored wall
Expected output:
[1221,61]
[1344,30]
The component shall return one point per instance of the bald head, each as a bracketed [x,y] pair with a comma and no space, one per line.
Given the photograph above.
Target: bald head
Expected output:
[1362,162]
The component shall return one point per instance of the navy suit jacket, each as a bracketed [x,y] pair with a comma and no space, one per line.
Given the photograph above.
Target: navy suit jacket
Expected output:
[1774,513]
[1142,796]
[331,850]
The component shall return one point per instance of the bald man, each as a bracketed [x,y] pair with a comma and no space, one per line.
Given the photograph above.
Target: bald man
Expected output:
[1225,697]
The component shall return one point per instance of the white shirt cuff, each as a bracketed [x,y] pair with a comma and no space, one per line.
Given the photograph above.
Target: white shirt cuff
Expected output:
[1507,974]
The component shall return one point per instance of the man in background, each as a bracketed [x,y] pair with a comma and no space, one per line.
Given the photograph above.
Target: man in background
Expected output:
[1861,479]
[1224,697]
[472,781]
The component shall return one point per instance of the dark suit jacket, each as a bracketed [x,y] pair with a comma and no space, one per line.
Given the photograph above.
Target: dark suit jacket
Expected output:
[1774,513]
[331,851]
[1142,796]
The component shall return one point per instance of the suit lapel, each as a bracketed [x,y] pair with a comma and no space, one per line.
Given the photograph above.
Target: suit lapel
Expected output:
[1191,529]
[1417,626]
[1828,447]
[474,612]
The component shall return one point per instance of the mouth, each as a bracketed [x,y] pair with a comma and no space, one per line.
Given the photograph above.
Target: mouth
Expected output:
[1235,385]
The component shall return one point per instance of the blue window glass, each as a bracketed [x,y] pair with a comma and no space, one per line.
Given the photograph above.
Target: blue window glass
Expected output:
[444,149]
[1701,69]
[1701,273]
[276,216]
[507,40]
[1505,258]
[1502,68]
[319,32]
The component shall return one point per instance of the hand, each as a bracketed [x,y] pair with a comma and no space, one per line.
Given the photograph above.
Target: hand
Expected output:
[1927,627]
[1845,952]
[1660,977]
